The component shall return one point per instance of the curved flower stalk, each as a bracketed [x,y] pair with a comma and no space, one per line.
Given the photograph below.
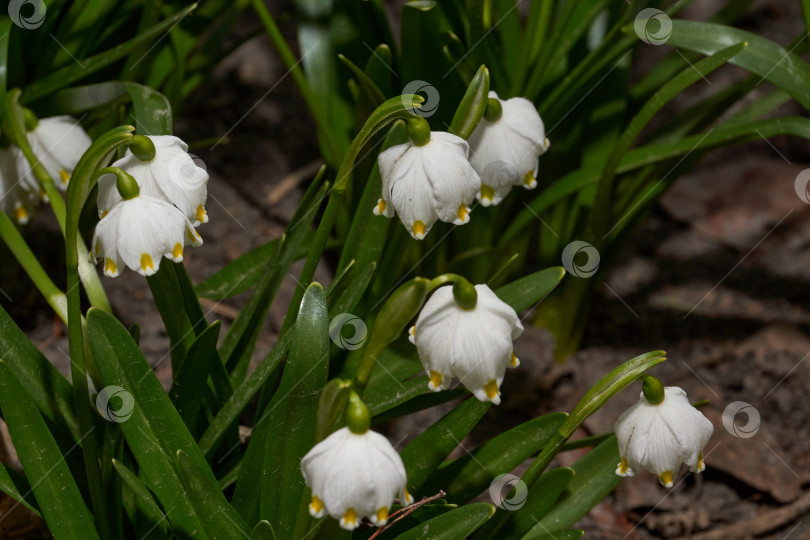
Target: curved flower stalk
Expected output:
[355,473]
[172,175]
[660,432]
[467,335]
[17,197]
[427,180]
[505,147]
[139,230]
[58,142]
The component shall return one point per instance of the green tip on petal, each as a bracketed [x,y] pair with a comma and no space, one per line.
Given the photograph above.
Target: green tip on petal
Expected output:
[465,294]
[419,130]
[653,390]
[357,416]
[494,110]
[142,147]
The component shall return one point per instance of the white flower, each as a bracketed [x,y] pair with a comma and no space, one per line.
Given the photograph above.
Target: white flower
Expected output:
[505,152]
[354,477]
[172,176]
[658,438]
[427,183]
[58,143]
[16,197]
[138,232]
[474,346]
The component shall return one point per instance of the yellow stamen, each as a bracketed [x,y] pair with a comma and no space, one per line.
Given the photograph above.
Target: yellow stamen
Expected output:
[146,262]
[382,515]
[350,517]
[21,214]
[463,212]
[514,360]
[110,267]
[177,252]
[435,379]
[666,478]
[381,206]
[418,228]
[316,506]
[700,464]
[487,193]
[529,179]
[63,174]
[201,215]
[623,466]
[491,388]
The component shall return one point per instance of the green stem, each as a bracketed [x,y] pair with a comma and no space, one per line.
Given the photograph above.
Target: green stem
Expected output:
[165,289]
[14,240]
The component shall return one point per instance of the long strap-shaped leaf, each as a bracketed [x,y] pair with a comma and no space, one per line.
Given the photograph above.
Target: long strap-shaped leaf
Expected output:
[55,489]
[458,523]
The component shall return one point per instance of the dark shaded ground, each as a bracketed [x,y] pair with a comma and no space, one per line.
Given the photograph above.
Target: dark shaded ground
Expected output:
[718,276]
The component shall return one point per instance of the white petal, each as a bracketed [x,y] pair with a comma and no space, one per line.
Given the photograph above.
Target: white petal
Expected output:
[412,193]
[59,142]
[455,183]
[148,229]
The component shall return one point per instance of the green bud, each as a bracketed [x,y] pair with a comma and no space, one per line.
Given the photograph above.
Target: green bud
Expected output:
[31,120]
[494,110]
[357,415]
[653,390]
[142,147]
[419,130]
[465,294]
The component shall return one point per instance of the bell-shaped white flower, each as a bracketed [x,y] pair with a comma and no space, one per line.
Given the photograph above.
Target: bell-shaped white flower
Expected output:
[137,232]
[658,438]
[427,183]
[172,176]
[471,345]
[58,143]
[16,197]
[504,152]
[354,476]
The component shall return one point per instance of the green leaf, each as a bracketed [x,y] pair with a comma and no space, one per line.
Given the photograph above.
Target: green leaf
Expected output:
[469,475]
[378,69]
[79,99]
[153,112]
[472,106]
[560,535]
[527,291]
[263,531]
[55,489]
[5,33]
[351,294]
[17,487]
[539,500]
[595,477]
[372,91]
[65,76]
[190,382]
[458,523]
[428,450]
[144,501]
[330,406]
[240,274]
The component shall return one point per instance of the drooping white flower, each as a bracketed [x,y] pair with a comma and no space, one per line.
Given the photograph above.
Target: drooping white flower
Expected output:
[658,438]
[472,345]
[137,232]
[17,198]
[504,152]
[354,476]
[427,183]
[58,143]
[172,176]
